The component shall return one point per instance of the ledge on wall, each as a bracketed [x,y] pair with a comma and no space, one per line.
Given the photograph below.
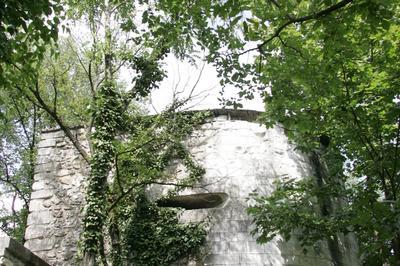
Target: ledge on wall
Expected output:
[195,201]
[232,114]
[13,253]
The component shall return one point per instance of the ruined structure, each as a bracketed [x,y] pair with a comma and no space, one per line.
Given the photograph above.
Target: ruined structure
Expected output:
[239,156]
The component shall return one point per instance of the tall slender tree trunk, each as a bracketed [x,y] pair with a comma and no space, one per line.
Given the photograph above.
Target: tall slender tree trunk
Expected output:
[105,122]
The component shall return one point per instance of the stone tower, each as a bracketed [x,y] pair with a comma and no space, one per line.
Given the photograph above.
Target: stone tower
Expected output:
[239,156]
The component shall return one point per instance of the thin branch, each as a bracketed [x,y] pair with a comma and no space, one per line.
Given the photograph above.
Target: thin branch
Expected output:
[117,174]
[21,120]
[116,7]
[54,83]
[275,3]
[59,121]
[15,187]
[366,142]
[136,148]
[291,21]
[396,150]
[290,47]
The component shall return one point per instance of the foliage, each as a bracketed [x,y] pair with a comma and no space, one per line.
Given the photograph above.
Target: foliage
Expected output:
[296,202]
[152,143]
[325,68]
[14,224]
[73,83]
[340,81]
[19,125]
[141,51]
[25,29]
[155,236]
[106,120]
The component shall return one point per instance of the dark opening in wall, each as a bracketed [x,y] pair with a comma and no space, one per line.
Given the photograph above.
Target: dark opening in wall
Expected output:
[195,201]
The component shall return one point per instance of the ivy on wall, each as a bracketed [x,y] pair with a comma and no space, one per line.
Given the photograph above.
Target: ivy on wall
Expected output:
[155,237]
[135,230]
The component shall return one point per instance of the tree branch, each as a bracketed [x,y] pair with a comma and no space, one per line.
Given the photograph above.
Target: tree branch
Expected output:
[14,186]
[396,150]
[291,21]
[60,123]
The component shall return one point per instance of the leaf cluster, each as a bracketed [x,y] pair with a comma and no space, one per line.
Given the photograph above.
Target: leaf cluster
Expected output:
[155,236]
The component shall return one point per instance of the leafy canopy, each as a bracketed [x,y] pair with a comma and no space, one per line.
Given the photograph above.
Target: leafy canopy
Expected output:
[324,68]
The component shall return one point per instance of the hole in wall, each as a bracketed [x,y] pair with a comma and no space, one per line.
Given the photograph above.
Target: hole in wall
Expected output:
[195,201]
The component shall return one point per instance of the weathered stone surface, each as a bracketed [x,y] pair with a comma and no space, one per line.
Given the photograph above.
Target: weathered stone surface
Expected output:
[40,217]
[37,205]
[54,218]
[239,156]
[42,194]
[13,253]
[44,143]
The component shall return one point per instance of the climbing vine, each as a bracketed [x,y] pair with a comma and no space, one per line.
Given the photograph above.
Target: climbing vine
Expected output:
[137,156]
[106,118]
[140,231]
[154,235]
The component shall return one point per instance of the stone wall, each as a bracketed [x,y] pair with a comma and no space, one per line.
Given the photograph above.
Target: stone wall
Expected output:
[239,156]
[55,207]
[13,253]
[242,157]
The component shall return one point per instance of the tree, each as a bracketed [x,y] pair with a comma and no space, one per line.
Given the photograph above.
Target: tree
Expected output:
[325,68]
[20,123]
[26,28]
[50,84]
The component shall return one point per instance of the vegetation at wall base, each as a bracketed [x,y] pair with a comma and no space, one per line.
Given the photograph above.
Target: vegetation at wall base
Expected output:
[156,237]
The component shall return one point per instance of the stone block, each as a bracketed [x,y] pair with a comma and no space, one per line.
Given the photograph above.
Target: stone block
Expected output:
[42,194]
[37,231]
[46,177]
[239,225]
[67,179]
[47,143]
[53,134]
[40,217]
[37,244]
[236,247]
[261,259]
[38,185]
[219,247]
[44,168]
[37,205]
[63,172]
[253,247]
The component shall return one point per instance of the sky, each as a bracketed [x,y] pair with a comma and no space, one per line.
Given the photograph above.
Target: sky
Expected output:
[201,81]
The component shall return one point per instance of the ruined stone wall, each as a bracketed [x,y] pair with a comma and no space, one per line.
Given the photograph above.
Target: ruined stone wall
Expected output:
[242,157]
[58,193]
[239,156]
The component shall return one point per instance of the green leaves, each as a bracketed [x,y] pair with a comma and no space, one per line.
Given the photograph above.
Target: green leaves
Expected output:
[155,236]
[25,28]
[331,68]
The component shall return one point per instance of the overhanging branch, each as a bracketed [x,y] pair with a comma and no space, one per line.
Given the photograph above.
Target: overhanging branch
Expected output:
[291,21]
